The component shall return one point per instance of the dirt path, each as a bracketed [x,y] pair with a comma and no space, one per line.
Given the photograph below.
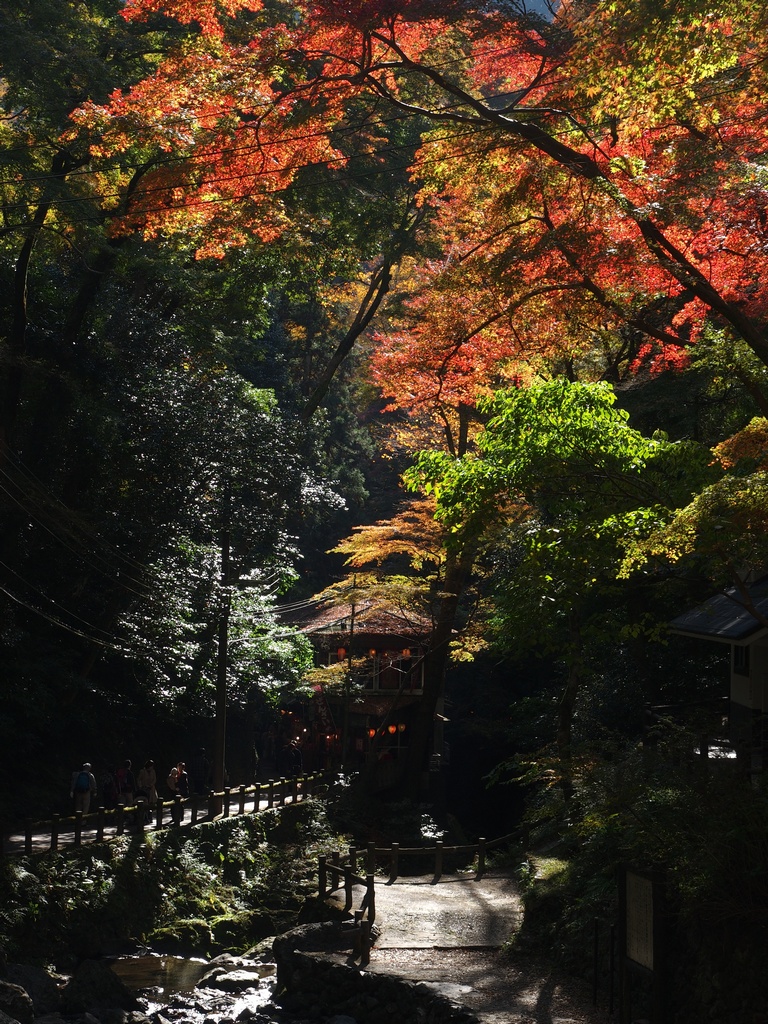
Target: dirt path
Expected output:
[448,935]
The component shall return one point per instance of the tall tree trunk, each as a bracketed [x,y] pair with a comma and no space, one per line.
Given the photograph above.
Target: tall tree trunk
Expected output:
[567,706]
[458,568]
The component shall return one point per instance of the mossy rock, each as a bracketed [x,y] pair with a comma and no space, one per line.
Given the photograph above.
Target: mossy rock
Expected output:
[290,824]
[241,930]
[192,935]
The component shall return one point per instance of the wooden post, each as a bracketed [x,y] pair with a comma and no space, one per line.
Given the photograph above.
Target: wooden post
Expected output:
[353,858]
[100,824]
[295,789]
[438,859]
[28,836]
[282,791]
[271,793]
[241,807]
[195,807]
[370,898]
[159,813]
[393,865]
[178,810]
[347,888]
[119,820]
[227,801]
[212,805]
[370,866]
[55,833]
[78,828]
[481,857]
[322,876]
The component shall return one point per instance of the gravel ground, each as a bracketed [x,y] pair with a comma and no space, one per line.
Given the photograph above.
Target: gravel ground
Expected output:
[448,934]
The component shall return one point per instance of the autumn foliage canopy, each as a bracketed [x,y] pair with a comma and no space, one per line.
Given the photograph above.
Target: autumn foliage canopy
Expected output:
[595,182]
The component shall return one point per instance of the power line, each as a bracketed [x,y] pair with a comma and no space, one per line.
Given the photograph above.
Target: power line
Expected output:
[70,540]
[39,593]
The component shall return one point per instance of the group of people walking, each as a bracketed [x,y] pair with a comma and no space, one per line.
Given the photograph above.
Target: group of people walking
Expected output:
[124,786]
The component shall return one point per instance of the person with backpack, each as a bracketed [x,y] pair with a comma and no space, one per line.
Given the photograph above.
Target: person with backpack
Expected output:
[82,785]
[109,789]
[126,784]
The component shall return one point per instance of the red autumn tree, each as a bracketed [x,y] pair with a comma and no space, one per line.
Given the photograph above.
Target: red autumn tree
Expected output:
[619,158]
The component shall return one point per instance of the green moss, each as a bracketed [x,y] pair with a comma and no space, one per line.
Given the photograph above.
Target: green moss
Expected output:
[218,885]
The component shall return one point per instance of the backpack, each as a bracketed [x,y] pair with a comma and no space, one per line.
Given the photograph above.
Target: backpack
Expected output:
[83,783]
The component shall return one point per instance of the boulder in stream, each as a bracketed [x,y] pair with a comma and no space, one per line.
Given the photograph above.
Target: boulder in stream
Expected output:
[38,984]
[95,986]
[16,1003]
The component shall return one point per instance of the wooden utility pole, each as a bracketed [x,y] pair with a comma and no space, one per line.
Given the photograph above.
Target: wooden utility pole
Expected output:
[220,742]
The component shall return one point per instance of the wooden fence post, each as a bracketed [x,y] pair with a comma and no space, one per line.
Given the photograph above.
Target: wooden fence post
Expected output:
[119,820]
[101,813]
[393,865]
[370,866]
[353,858]
[195,807]
[295,790]
[271,793]
[212,804]
[78,828]
[438,859]
[282,791]
[55,832]
[227,801]
[481,856]
[159,813]
[370,898]
[347,888]
[178,810]
[322,876]
[241,806]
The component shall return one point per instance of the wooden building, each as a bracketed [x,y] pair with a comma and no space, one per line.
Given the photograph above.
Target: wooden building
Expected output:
[740,620]
[374,656]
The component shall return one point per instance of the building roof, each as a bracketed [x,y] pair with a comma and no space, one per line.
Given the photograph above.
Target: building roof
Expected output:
[367,617]
[726,617]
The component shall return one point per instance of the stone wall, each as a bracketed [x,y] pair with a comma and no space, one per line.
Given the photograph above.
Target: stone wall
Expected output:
[317,976]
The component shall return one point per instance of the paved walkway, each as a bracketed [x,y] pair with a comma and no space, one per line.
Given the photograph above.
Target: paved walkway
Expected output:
[449,935]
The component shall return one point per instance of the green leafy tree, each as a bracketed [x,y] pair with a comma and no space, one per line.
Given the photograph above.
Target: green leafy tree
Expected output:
[582,481]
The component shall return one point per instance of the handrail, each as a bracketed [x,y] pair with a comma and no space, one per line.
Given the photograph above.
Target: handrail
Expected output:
[343,869]
[226,803]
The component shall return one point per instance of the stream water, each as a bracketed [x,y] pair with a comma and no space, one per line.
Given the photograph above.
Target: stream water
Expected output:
[167,987]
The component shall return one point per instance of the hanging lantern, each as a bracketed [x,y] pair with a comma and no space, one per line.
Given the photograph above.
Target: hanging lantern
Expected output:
[341,653]
[371,733]
[372,652]
[407,652]
[401,726]
[391,729]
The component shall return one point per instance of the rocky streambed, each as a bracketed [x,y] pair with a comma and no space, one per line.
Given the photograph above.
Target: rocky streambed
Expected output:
[145,989]
[308,975]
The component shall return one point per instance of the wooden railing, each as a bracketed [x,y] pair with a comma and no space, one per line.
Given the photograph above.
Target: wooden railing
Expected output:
[340,873]
[57,832]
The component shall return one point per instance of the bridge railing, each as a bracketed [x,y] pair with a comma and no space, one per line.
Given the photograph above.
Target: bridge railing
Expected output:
[59,831]
[340,872]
